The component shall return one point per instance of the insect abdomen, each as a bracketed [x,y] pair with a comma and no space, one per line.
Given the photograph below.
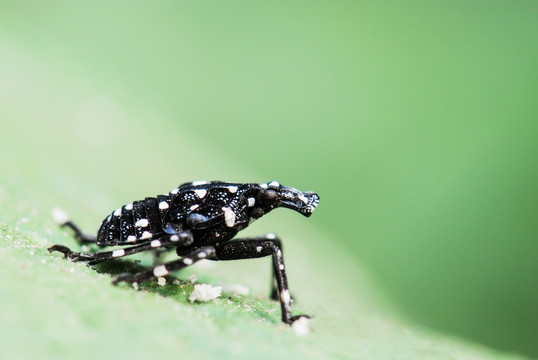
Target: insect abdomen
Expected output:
[135,222]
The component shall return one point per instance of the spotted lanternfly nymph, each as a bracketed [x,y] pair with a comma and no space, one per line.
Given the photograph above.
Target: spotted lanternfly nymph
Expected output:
[200,220]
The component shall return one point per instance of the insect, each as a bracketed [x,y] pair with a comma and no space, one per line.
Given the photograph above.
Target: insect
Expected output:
[200,220]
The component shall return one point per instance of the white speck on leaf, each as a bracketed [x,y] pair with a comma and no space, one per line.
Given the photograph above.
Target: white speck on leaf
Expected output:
[237,289]
[205,293]
[193,278]
[301,326]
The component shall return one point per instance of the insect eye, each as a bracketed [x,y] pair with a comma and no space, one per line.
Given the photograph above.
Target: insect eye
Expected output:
[269,195]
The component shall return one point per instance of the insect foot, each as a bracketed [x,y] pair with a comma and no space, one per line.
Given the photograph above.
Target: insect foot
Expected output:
[298,317]
[71,255]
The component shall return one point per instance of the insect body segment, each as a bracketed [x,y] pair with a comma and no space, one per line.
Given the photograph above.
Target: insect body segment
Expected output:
[199,220]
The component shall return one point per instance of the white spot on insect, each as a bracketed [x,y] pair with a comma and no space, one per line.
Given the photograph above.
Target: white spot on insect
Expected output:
[131,238]
[135,285]
[263,186]
[271,236]
[175,191]
[251,201]
[194,207]
[278,253]
[202,255]
[205,292]
[146,235]
[174,238]
[259,249]
[117,212]
[281,266]
[142,223]
[200,182]
[187,261]
[301,326]
[108,218]
[161,281]
[232,189]
[155,243]
[193,278]
[163,205]
[274,184]
[60,217]
[285,296]
[118,253]
[160,270]
[200,193]
[129,207]
[229,216]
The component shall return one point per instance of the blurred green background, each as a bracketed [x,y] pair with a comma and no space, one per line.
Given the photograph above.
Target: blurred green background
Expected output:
[416,122]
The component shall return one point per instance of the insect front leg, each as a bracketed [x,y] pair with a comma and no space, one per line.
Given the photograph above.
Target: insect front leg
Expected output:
[257,247]
[173,266]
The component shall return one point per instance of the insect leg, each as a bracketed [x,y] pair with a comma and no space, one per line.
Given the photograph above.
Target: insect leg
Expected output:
[274,293]
[173,266]
[96,258]
[257,247]
[81,237]
[69,254]
[64,220]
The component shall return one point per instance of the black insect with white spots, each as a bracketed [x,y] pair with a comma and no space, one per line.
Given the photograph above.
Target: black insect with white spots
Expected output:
[200,220]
